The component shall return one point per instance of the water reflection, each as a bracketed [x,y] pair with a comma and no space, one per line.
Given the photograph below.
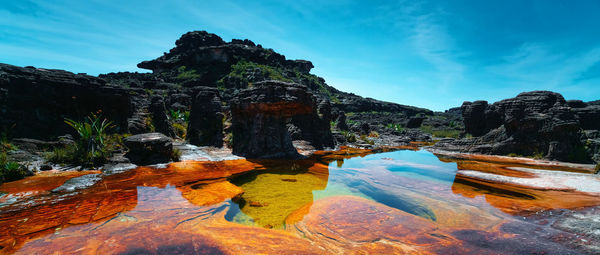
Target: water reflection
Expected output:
[345,196]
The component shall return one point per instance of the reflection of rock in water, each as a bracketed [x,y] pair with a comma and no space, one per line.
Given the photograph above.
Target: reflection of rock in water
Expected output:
[46,218]
[269,197]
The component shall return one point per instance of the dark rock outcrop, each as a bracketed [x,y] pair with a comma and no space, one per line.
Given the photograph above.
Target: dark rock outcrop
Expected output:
[36,101]
[314,127]
[160,120]
[149,148]
[206,119]
[211,58]
[415,122]
[531,124]
[259,117]
[480,117]
[341,123]
[353,103]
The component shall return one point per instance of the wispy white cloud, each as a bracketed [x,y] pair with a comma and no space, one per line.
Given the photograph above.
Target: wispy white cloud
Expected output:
[545,65]
[432,42]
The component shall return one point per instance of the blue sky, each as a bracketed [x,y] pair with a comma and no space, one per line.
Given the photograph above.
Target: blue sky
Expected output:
[433,54]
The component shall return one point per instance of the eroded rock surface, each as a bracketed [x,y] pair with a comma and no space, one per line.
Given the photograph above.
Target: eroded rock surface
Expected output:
[149,148]
[537,123]
[206,119]
[35,101]
[259,117]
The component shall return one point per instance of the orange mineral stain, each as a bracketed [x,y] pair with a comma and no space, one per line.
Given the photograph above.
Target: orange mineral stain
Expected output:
[306,206]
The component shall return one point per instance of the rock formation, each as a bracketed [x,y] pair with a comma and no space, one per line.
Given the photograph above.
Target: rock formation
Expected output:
[159,116]
[36,101]
[537,123]
[149,148]
[206,119]
[259,117]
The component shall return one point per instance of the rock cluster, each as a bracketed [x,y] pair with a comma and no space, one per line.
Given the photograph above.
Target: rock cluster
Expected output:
[537,123]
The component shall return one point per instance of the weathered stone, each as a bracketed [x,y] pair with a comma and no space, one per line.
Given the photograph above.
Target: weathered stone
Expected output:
[415,122]
[531,124]
[36,101]
[206,119]
[259,117]
[161,121]
[149,148]
[340,123]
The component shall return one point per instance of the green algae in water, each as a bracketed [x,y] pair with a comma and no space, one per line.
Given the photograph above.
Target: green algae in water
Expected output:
[270,197]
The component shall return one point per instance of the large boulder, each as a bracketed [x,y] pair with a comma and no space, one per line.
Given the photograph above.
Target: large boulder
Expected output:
[206,119]
[149,148]
[35,101]
[259,116]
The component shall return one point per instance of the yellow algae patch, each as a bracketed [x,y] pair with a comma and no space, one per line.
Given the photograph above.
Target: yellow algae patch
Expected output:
[270,197]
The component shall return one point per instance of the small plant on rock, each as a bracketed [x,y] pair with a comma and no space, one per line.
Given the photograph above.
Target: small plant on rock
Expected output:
[91,148]
[10,171]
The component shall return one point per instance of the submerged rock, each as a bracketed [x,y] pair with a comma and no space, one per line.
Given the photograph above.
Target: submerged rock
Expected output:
[78,183]
[149,148]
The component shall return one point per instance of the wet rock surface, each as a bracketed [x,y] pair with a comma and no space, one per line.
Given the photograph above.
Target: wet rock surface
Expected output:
[149,148]
[78,183]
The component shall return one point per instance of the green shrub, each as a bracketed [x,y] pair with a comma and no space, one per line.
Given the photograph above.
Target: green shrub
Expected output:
[179,115]
[91,148]
[598,168]
[228,140]
[149,123]
[396,127]
[350,137]
[538,155]
[10,171]
[427,129]
[446,133]
[175,154]
[187,74]
[514,155]
[180,129]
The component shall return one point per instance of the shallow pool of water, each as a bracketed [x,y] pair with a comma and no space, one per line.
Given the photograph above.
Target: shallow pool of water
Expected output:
[403,201]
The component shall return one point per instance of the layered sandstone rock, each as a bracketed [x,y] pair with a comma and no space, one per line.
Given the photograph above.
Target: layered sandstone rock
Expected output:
[35,101]
[259,117]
